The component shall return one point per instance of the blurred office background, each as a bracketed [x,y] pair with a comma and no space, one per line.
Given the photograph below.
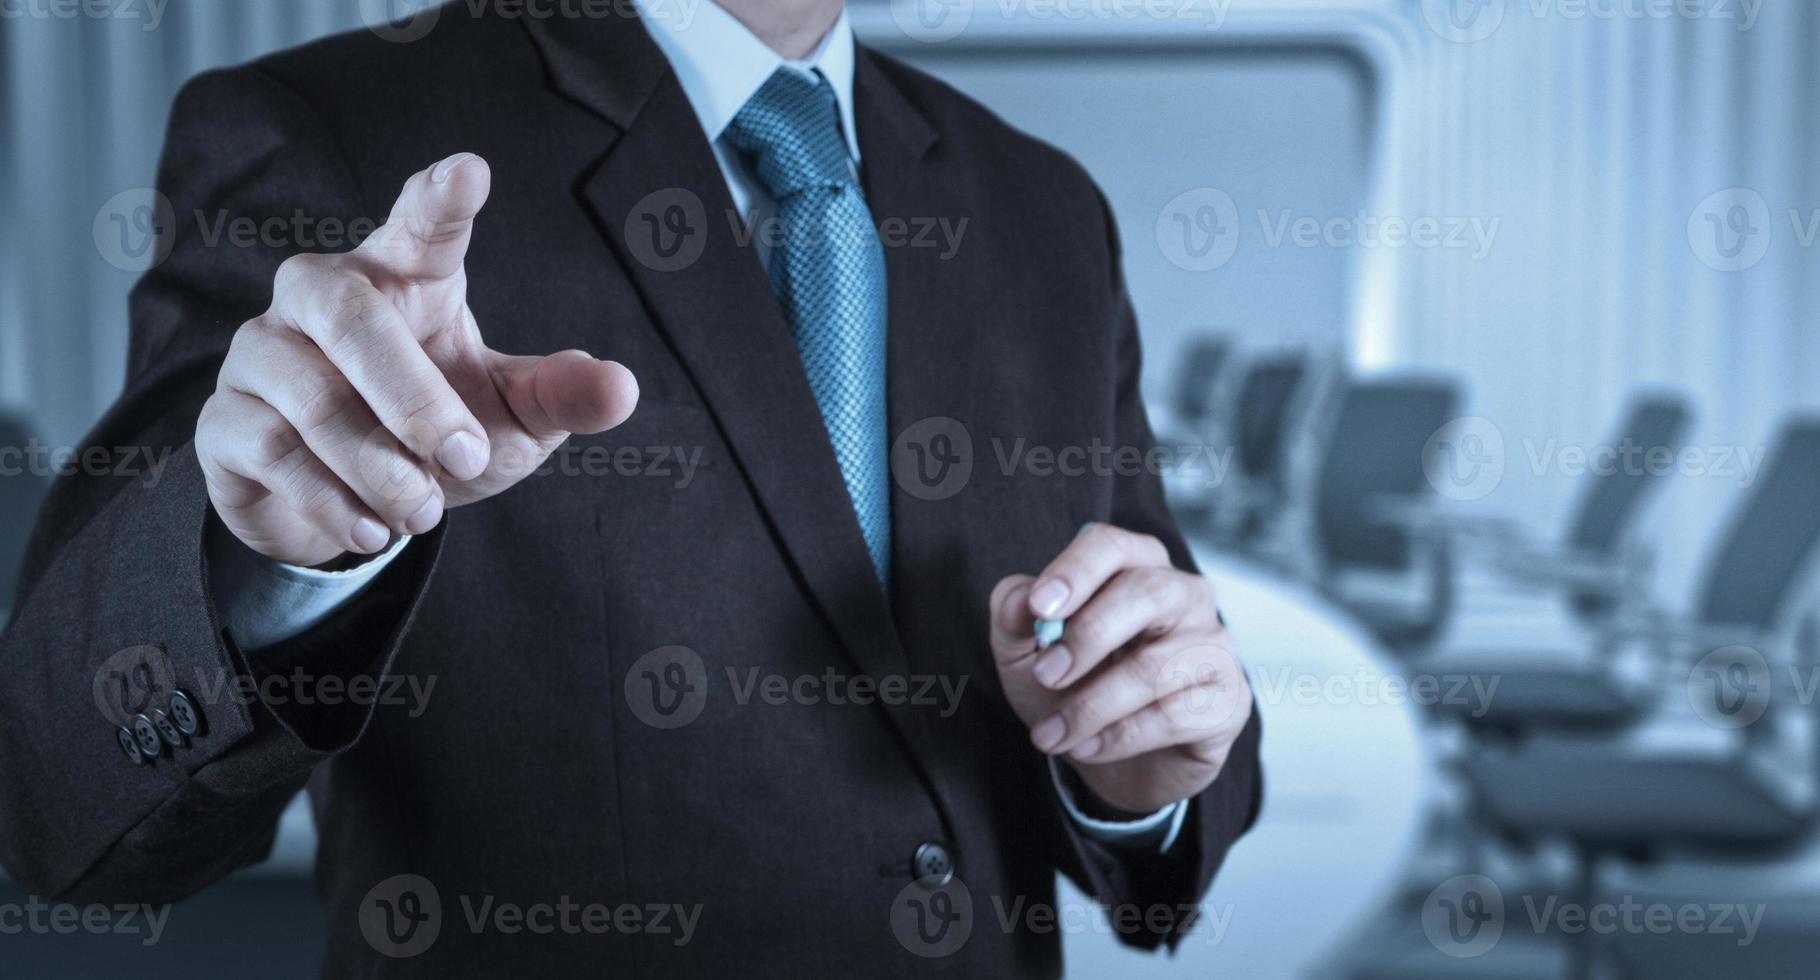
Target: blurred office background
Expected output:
[1486,331]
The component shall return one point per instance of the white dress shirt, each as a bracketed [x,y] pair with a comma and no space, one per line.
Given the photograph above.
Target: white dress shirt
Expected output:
[720,65]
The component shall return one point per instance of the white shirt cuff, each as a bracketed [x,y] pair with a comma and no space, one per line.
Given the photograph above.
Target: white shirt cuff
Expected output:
[1159,830]
[265,602]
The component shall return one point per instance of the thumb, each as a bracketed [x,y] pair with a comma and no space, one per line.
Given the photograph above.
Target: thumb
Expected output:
[426,237]
[1015,648]
[564,393]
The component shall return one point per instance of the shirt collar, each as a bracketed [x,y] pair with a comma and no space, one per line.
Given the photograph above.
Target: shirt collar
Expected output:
[721,64]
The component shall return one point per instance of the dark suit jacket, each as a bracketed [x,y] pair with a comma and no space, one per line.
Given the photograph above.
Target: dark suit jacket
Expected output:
[530,778]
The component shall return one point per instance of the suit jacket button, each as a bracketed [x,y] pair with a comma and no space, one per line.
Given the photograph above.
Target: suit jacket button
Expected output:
[129,743]
[185,715]
[167,730]
[932,864]
[146,734]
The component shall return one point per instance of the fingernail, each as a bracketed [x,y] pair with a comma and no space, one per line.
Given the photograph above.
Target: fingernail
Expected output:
[464,455]
[1054,662]
[427,516]
[1088,749]
[370,536]
[1048,734]
[440,175]
[1048,598]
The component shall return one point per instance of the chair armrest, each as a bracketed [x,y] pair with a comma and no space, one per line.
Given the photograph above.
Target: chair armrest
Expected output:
[1682,638]
[1574,570]
[1426,519]
[1515,551]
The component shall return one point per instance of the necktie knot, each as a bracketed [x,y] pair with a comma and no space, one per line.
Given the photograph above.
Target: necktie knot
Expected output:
[790,130]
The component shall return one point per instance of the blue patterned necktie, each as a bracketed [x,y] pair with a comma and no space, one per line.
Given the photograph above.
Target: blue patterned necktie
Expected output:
[828,271]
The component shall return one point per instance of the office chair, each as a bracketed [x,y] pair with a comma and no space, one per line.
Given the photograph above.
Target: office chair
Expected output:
[1262,428]
[1192,417]
[21,491]
[1283,409]
[1600,560]
[1780,882]
[1374,566]
[1727,798]
[1727,761]
[1198,378]
[1602,573]
[1194,401]
[1624,789]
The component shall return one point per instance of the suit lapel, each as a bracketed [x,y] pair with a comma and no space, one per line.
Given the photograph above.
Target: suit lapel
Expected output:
[661,201]
[931,363]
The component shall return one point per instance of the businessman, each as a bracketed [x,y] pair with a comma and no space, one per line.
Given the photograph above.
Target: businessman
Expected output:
[736,646]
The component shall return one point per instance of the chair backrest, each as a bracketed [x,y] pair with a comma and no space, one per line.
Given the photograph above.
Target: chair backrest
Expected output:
[1761,557]
[1195,379]
[1264,406]
[21,491]
[1374,456]
[1611,502]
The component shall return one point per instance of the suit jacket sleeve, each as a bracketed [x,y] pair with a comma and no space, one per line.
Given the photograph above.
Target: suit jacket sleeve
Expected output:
[117,562]
[1122,877]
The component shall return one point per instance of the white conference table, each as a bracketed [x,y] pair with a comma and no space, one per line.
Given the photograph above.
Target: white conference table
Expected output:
[1345,775]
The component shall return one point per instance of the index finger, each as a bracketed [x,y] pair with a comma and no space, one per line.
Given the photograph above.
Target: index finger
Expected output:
[427,234]
[1095,555]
